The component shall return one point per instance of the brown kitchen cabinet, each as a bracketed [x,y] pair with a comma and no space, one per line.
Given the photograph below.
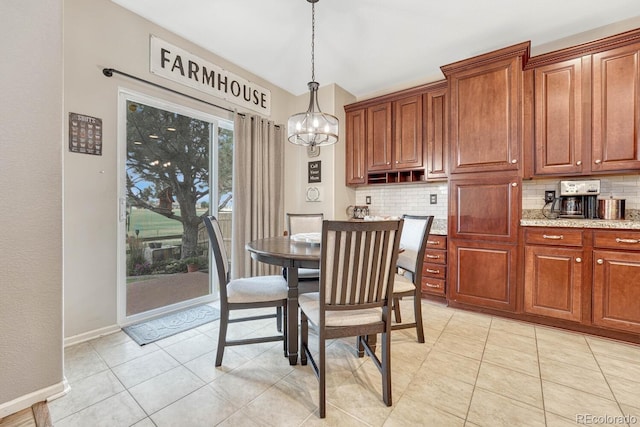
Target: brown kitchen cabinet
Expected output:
[616,280]
[583,109]
[356,151]
[485,121]
[437,129]
[615,143]
[553,273]
[394,136]
[378,137]
[558,129]
[483,274]
[434,267]
[484,215]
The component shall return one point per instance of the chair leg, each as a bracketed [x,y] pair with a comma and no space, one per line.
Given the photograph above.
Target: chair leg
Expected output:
[396,309]
[279,318]
[386,369]
[284,333]
[222,335]
[360,346]
[417,310]
[322,379]
[304,337]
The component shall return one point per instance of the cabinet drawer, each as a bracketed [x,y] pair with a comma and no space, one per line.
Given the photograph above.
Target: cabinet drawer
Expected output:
[435,241]
[433,286]
[619,239]
[433,270]
[435,256]
[554,236]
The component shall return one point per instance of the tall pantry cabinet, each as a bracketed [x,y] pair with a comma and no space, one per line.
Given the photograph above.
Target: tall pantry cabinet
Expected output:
[486,120]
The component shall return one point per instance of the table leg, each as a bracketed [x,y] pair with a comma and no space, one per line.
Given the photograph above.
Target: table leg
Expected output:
[292,315]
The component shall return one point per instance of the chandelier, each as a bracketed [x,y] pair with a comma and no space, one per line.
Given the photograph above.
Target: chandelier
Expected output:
[313,127]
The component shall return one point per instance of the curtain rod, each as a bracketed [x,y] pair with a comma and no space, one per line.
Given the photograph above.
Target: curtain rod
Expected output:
[108,72]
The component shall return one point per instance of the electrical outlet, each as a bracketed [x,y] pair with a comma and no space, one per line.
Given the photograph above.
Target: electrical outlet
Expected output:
[549,196]
[367,200]
[433,199]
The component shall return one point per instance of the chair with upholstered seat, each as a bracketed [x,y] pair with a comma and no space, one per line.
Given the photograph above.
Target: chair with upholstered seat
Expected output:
[242,294]
[305,223]
[357,270]
[413,241]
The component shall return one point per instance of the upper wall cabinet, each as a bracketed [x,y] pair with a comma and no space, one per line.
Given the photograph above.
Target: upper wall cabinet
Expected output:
[584,104]
[391,138]
[485,110]
[356,172]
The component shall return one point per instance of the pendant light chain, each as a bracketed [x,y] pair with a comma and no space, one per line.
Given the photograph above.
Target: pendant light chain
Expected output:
[313,44]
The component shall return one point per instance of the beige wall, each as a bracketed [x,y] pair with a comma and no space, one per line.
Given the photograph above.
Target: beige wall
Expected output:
[31,206]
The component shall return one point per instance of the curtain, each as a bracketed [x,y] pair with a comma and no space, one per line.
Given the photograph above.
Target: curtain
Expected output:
[258,186]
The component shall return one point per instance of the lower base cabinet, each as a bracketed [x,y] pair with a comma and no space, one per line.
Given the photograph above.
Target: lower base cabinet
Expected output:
[616,290]
[586,276]
[434,267]
[553,274]
[483,274]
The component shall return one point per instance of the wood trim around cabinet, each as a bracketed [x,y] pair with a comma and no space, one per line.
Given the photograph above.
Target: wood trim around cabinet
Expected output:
[587,48]
[389,97]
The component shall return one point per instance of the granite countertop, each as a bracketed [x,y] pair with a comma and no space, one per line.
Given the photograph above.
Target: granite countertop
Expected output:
[535,218]
[582,223]
[439,227]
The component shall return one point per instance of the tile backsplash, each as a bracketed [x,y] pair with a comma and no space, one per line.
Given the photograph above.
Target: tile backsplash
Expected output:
[617,186]
[399,199]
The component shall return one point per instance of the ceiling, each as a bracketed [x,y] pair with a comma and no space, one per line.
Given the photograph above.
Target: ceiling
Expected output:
[369,46]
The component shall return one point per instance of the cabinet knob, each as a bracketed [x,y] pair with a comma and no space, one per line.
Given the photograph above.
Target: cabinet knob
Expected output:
[397,161]
[514,161]
[578,260]
[600,261]
[579,162]
[514,184]
[597,161]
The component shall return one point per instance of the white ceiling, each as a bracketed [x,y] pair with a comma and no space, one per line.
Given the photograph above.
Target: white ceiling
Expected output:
[367,46]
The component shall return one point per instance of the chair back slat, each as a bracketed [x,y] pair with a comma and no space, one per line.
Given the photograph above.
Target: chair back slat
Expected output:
[357,263]
[219,253]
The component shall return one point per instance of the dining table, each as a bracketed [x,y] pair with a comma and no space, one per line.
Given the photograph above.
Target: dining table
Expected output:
[290,254]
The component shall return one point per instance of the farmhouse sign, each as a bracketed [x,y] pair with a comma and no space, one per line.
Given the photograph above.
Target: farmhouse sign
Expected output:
[183,67]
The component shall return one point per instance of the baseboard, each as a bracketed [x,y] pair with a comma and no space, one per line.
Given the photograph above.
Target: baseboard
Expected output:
[23,402]
[86,336]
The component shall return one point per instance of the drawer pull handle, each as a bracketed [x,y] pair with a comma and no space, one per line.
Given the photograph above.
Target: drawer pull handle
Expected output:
[430,285]
[433,271]
[433,242]
[600,261]
[619,240]
[552,236]
[578,260]
[433,256]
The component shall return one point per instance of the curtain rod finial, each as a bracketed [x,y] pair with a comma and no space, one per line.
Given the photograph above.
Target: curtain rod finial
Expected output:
[107,72]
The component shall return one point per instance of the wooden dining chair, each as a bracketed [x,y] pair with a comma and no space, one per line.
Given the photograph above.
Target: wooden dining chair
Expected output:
[305,223]
[357,270]
[413,241]
[242,294]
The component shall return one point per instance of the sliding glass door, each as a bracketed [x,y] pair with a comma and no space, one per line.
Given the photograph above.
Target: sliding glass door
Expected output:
[174,162]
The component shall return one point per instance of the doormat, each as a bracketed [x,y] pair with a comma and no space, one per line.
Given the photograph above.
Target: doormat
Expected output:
[171,324]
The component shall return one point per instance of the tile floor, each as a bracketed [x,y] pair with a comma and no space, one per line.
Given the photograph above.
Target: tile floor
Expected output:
[474,370]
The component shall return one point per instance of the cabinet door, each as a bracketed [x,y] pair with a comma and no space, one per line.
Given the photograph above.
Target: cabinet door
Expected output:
[616,109]
[379,137]
[483,274]
[486,117]
[355,148]
[408,133]
[553,282]
[485,209]
[558,118]
[436,126]
[616,290]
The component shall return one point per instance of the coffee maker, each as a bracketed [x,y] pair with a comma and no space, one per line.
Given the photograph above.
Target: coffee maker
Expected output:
[578,199]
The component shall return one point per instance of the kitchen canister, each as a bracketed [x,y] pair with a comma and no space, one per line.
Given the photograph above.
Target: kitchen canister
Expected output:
[611,208]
